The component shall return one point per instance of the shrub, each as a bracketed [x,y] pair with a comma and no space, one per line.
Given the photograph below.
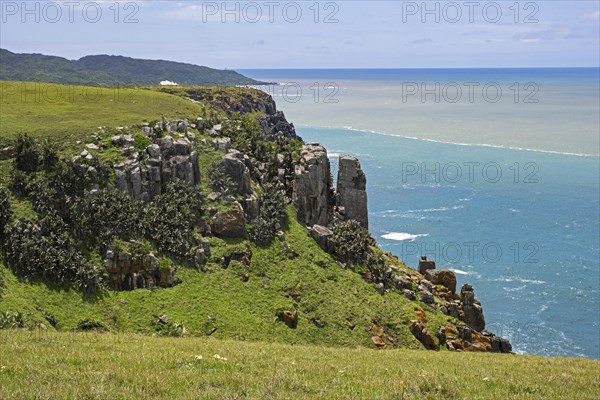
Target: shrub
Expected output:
[272,212]
[49,155]
[57,190]
[106,214]
[5,212]
[90,324]
[11,320]
[350,241]
[219,180]
[47,250]
[163,327]
[376,266]
[170,220]
[19,182]
[27,153]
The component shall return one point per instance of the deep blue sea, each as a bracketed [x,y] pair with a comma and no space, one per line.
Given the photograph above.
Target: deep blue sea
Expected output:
[505,193]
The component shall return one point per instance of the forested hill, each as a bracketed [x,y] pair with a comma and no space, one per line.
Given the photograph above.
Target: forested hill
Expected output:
[111,70]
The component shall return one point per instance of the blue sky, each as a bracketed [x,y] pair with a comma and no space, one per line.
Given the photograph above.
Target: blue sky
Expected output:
[286,34]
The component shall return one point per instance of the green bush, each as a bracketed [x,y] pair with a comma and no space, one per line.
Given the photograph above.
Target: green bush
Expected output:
[49,154]
[27,153]
[58,189]
[19,182]
[47,250]
[11,320]
[272,211]
[5,212]
[350,241]
[219,181]
[170,220]
[376,266]
[163,327]
[97,218]
[90,324]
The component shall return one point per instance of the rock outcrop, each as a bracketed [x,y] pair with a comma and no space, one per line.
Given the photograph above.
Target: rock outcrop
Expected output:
[322,235]
[471,308]
[425,264]
[443,277]
[126,272]
[351,192]
[423,335]
[276,124]
[312,186]
[234,167]
[144,175]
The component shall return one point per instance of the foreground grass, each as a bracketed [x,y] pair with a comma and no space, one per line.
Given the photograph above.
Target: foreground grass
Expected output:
[39,365]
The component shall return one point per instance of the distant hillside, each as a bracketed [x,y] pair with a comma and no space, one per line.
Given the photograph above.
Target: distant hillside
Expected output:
[111,70]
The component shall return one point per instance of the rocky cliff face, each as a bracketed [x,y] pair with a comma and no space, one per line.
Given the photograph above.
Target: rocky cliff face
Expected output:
[144,175]
[244,101]
[312,186]
[351,192]
[316,202]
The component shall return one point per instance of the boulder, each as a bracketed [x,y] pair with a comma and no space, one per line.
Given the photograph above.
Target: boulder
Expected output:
[205,243]
[425,264]
[229,224]
[290,318]
[401,282]
[351,194]
[409,294]
[443,277]
[311,186]
[322,235]
[423,335]
[221,144]
[426,297]
[234,167]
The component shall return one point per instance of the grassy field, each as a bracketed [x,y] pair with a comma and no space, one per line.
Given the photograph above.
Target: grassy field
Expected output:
[39,365]
[67,113]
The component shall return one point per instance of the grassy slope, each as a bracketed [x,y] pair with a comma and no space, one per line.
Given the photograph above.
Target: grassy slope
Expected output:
[68,113]
[240,310]
[107,366]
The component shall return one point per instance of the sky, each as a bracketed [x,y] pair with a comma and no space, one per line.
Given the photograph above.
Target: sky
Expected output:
[312,34]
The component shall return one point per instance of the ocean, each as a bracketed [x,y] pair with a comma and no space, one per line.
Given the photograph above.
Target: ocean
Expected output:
[494,173]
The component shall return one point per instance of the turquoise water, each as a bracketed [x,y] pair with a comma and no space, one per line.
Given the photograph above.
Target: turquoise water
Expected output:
[522,226]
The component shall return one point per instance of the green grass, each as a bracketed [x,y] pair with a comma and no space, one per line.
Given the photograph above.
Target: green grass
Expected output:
[67,113]
[346,307]
[40,365]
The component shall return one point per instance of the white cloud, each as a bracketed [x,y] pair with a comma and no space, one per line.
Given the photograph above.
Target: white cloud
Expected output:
[592,16]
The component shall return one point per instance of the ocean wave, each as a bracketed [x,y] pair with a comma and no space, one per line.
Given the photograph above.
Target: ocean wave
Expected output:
[519,280]
[459,271]
[517,289]
[402,236]
[495,146]
[458,207]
